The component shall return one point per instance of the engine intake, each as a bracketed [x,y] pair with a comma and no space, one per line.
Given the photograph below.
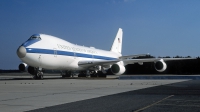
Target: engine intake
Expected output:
[23,67]
[160,66]
[117,69]
[31,70]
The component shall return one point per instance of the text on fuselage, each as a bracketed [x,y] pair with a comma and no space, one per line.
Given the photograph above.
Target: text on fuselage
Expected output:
[76,49]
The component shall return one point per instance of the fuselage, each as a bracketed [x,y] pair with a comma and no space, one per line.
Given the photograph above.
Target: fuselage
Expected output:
[49,52]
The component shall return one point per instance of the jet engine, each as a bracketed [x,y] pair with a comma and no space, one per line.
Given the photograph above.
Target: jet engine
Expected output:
[32,70]
[117,69]
[25,68]
[160,66]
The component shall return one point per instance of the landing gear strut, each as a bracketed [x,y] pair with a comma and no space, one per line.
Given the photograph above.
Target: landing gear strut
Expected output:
[93,73]
[38,74]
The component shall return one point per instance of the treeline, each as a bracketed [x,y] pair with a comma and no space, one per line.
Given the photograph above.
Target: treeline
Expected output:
[184,67]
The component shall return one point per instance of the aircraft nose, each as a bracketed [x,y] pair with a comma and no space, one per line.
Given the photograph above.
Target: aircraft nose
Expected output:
[21,52]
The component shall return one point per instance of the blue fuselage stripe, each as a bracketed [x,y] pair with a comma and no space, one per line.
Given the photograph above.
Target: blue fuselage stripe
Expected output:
[67,53]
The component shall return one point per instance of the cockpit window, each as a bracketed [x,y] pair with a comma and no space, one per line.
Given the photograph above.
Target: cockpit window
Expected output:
[35,36]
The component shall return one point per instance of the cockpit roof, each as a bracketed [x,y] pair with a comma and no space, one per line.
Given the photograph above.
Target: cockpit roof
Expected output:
[35,36]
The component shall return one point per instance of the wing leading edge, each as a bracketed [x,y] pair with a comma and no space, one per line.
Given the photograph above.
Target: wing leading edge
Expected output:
[126,60]
[132,61]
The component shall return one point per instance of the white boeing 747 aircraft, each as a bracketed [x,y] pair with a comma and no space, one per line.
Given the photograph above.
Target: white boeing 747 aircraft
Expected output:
[42,51]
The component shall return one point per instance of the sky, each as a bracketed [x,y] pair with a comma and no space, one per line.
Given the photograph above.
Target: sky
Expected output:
[158,27]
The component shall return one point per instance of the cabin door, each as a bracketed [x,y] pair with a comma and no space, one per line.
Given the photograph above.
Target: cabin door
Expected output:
[55,52]
[75,55]
[40,61]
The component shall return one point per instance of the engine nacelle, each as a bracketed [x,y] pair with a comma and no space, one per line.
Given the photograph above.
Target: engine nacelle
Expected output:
[117,69]
[160,66]
[31,70]
[23,67]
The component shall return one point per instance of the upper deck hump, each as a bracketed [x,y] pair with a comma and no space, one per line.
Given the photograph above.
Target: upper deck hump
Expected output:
[54,39]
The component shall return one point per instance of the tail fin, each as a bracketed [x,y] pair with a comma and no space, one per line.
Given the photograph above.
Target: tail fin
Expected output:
[117,44]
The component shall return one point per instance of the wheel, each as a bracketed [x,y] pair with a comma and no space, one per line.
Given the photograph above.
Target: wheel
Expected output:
[82,75]
[93,75]
[67,74]
[101,74]
[40,77]
[63,76]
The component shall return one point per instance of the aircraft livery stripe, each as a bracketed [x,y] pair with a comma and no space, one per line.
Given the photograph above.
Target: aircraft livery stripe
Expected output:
[83,55]
[67,53]
[64,53]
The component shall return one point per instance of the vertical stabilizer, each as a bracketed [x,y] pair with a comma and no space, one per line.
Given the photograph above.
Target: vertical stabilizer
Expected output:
[117,44]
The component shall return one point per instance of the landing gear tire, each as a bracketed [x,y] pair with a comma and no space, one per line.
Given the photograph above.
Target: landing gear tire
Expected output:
[67,74]
[38,75]
[82,75]
[63,76]
[101,74]
[93,75]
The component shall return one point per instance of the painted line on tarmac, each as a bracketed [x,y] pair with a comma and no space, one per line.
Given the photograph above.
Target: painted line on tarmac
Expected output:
[178,105]
[153,104]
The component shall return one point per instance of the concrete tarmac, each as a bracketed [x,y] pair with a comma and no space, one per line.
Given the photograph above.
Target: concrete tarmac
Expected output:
[21,93]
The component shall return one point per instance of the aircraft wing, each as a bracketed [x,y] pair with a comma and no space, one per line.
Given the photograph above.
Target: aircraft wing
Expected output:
[90,63]
[132,61]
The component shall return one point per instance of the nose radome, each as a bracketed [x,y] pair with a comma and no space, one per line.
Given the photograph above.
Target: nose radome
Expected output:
[21,52]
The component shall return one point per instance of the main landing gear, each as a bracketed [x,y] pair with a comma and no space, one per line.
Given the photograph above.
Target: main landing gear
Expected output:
[85,73]
[82,74]
[92,74]
[66,74]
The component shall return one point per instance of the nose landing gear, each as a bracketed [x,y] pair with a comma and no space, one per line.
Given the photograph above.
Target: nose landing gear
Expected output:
[38,74]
